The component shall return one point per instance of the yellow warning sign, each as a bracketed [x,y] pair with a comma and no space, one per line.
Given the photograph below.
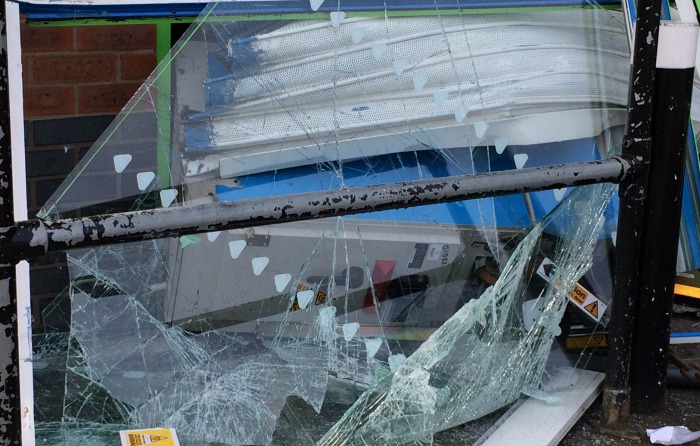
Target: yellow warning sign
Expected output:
[581,342]
[592,308]
[579,294]
[321,297]
[143,437]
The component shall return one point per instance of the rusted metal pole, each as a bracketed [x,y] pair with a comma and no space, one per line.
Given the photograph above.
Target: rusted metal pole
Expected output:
[36,237]
[637,144]
[10,413]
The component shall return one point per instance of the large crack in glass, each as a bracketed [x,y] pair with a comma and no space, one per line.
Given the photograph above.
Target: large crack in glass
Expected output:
[382,328]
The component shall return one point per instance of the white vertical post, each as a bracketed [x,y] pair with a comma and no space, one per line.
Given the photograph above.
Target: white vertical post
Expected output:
[19,189]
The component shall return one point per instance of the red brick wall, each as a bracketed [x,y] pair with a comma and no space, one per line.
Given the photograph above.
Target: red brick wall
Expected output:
[84,70]
[75,80]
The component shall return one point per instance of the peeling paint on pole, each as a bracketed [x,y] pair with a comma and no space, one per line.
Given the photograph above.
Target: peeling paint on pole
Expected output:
[36,237]
[10,433]
[657,269]
[636,145]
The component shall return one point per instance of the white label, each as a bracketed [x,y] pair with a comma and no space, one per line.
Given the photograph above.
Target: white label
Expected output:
[434,251]
[157,437]
[586,301]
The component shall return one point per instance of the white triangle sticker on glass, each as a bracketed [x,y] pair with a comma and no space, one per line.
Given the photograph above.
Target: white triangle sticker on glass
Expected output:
[440,97]
[259,264]
[281,281]
[420,81]
[167,197]
[211,236]
[480,129]
[501,144]
[144,179]
[372,346]
[121,161]
[357,33]
[559,193]
[337,18]
[396,360]
[315,4]
[460,114]
[400,66]
[350,330]
[520,160]
[236,247]
[304,298]
[378,50]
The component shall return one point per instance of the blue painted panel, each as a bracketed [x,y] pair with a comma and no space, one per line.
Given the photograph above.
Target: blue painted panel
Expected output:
[67,12]
[507,211]
[378,170]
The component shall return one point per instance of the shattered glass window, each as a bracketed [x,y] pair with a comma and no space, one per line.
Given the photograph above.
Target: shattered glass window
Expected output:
[383,328]
[689,247]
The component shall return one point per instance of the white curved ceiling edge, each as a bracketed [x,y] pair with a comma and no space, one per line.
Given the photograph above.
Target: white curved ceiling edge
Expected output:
[536,128]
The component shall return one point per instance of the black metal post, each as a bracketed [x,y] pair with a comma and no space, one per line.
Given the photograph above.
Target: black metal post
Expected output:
[637,144]
[674,87]
[35,237]
[10,413]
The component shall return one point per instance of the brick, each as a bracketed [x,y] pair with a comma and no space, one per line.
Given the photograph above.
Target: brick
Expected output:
[110,207]
[28,131]
[45,101]
[80,129]
[46,188]
[143,157]
[117,37]
[51,258]
[91,189]
[141,123]
[30,195]
[105,98]
[86,191]
[46,38]
[48,280]
[50,162]
[137,66]
[74,68]
[26,67]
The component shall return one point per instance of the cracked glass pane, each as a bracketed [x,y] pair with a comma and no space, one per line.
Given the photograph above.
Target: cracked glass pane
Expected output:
[381,328]
[689,249]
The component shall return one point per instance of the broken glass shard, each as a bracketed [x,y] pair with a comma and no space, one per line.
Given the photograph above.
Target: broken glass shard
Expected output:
[382,328]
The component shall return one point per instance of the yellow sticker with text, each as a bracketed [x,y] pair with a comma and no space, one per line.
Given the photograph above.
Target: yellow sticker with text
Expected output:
[581,342]
[592,307]
[578,294]
[156,437]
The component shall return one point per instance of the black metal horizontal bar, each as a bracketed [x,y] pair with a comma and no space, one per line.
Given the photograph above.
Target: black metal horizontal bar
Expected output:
[35,237]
